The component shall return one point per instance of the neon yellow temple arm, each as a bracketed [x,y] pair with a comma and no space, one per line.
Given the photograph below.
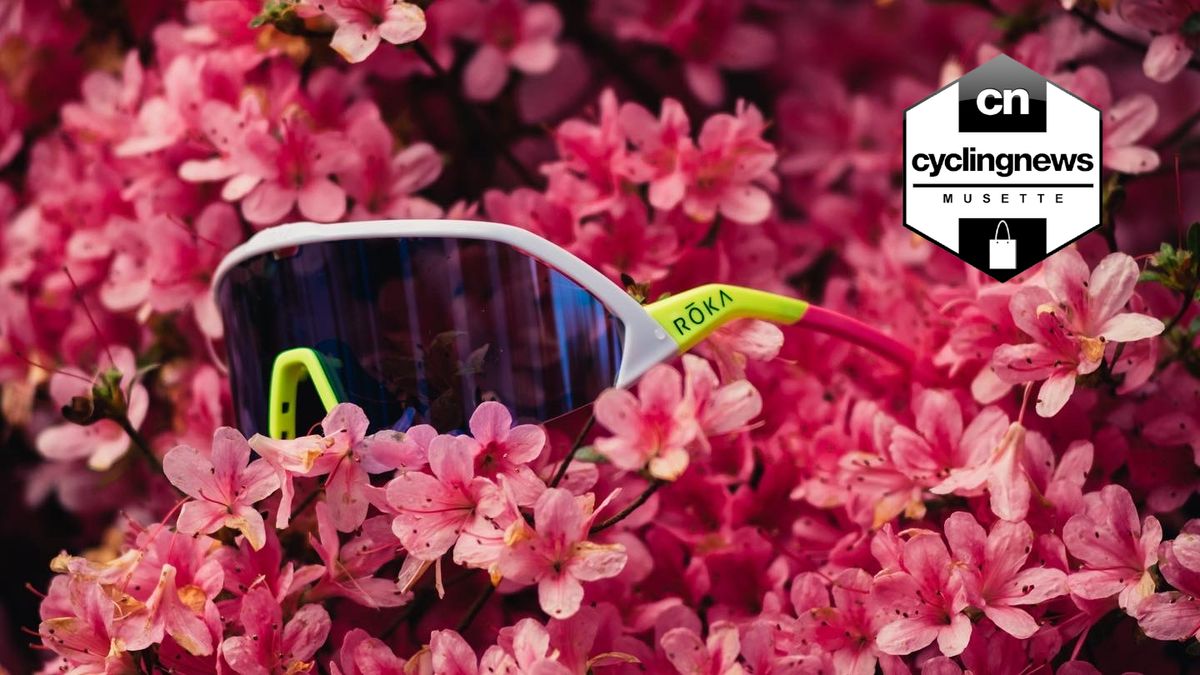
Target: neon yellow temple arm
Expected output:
[290,369]
[693,315]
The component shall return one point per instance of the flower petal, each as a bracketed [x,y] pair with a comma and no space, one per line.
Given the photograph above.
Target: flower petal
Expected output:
[490,422]
[906,636]
[355,41]
[486,74]
[268,203]
[1128,327]
[1167,56]
[560,595]
[1055,392]
[322,200]
[189,470]
[1016,622]
[403,23]
[306,632]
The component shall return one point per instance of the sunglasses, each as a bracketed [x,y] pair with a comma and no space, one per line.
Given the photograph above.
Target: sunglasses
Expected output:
[419,321]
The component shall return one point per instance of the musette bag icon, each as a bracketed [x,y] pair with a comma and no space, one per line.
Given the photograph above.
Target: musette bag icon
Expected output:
[1002,253]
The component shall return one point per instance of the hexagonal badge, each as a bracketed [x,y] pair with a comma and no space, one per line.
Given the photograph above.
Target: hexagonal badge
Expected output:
[1002,168]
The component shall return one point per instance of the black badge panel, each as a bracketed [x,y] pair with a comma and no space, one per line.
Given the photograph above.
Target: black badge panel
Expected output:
[976,247]
[1001,97]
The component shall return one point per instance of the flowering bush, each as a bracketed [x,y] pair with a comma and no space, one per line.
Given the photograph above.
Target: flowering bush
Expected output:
[1022,501]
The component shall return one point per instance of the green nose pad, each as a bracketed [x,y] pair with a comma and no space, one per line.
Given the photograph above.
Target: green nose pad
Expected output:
[292,367]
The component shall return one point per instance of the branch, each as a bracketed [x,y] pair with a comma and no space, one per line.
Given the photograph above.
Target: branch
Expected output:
[473,111]
[562,468]
[308,500]
[1189,296]
[139,442]
[655,484]
[1114,36]
[1179,132]
[473,612]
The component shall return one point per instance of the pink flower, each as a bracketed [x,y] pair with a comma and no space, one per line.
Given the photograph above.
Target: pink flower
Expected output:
[628,244]
[924,598]
[716,39]
[1072,319]
[1059,480]
[846,628]
[184,259]
[224,486]
[832,133]
[983,325]
[164,120]
[226,128]
[732,171]
[720,409]
[993,574]
[404,450]
[109,102]
[653,429]
[362,23]
[940,444]
[733,346]
[167,584]
[1117,551]
[450,654]
[382,184]
[82,631]
[587,179]
[362,654]
[1174,43]
[270,646]
[709,36]
[660,148]
[556,555]
[532,211]
[246,569]
[350,567]
[433,511]
[347,485]
[1175,615]
[522,649]
[513,34]
[501,449]
[875,490]
[340,454]
[715,656]
[170,610]
[292,458]
[104,442]
[1002,471]
[292,169]
[1125,121]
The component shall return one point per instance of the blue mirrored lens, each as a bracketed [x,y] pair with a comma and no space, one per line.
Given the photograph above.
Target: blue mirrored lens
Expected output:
[419,330]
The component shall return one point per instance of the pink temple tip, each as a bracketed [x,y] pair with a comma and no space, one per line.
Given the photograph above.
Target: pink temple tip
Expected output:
[858,333]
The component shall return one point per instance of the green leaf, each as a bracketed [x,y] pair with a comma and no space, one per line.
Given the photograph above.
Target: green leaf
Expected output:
[1193,240]
[108,384]
[589,455]
[1191,25]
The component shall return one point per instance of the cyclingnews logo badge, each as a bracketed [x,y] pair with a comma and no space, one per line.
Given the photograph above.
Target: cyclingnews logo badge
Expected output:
[1002,168]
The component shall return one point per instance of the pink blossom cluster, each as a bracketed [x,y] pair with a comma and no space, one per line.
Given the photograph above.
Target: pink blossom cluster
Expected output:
[1024,499]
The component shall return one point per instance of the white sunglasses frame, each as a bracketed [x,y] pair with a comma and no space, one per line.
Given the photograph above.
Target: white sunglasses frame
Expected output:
[646,343]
